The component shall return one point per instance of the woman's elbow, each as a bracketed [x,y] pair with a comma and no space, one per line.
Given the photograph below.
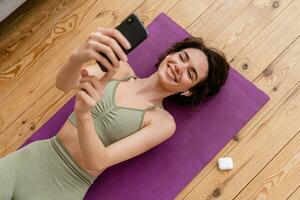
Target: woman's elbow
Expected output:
[97,167]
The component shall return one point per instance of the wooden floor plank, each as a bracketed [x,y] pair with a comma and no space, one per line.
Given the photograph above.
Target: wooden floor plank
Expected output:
[270,43]
[283,170]
[216,18]
[247,25]
[152,8]
[25,28]
[295,195]
[187,11]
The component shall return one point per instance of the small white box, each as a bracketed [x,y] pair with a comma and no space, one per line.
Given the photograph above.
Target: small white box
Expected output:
[225,163]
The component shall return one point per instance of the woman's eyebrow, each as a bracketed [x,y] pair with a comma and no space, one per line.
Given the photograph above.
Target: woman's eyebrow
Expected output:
[188,58]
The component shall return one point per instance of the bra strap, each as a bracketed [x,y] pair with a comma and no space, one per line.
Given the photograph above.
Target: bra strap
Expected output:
[126,78]
[154,106]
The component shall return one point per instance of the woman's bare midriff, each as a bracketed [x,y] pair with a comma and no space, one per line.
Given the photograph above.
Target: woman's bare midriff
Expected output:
[68,135]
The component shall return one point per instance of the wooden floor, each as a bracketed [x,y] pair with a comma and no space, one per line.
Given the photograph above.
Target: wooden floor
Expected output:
[259,37]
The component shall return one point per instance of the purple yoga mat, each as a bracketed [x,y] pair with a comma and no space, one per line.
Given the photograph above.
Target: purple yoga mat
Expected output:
[162,172]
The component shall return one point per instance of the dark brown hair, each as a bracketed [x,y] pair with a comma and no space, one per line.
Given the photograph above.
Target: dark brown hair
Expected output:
[217,71]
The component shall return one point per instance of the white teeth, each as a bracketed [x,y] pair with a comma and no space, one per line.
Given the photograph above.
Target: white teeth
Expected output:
[171,74]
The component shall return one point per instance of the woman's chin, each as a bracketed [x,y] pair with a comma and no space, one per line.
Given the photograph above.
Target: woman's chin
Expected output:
[168,84]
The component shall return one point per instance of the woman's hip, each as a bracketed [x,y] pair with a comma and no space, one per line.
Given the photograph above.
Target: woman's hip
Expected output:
[44,169]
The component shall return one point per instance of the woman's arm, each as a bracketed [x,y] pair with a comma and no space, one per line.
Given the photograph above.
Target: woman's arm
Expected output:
[99,157]
[105,41]
[68,75]
[93,150]
[160,128]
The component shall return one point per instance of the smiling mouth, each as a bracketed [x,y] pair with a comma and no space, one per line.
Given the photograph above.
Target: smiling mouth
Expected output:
[173,76]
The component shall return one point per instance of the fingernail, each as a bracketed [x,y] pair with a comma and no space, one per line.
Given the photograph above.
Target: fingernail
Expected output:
[128,45]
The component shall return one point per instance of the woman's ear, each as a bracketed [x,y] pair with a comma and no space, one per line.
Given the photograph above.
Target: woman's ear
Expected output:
[186,93]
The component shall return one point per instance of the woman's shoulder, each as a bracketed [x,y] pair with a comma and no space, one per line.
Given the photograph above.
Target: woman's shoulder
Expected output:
[124,71]
[161,116]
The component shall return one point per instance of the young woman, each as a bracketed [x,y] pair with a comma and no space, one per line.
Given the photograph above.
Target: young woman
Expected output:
[117,115]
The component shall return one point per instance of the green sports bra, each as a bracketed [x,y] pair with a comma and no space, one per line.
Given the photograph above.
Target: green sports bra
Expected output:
[112,122]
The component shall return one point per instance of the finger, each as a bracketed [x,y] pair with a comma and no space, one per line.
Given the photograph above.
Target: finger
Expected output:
[86,98]
[93,80]
[112,43]
[95,55]
[106,50]
[91,91]
[117,35]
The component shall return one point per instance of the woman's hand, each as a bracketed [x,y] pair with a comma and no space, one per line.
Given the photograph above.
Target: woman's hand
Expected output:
[90,91]
[106,41]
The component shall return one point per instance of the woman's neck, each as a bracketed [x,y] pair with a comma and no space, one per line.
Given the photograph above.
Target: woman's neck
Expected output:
[151,88]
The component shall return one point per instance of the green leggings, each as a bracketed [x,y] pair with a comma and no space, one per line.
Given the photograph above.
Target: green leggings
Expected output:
[42,170]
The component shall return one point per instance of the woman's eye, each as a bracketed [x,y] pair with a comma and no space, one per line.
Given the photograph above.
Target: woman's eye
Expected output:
[181,57]
[190,75]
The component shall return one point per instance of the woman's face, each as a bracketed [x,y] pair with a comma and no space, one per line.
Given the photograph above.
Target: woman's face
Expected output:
[182,70]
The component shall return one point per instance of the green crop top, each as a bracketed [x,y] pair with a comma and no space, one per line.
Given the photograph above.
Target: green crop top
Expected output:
[112,122]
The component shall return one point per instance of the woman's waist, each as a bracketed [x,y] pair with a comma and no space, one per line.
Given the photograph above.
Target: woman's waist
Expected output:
[70,162]
[68,137]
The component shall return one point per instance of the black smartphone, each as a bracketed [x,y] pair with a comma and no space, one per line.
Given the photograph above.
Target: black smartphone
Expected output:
[133,30]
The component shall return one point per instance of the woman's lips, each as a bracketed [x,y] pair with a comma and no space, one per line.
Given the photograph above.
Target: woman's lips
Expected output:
[171,73]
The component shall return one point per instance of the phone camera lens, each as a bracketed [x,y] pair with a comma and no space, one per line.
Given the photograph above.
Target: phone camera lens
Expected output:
[129,20]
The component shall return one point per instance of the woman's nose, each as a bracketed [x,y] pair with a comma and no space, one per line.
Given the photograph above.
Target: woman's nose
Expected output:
[179,68]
